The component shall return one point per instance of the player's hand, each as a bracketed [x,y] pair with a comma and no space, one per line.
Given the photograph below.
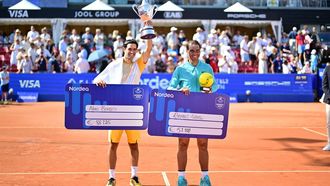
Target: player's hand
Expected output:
[185,91]
[101,84]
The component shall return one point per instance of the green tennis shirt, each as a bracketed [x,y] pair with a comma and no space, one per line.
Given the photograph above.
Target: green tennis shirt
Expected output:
[187,75]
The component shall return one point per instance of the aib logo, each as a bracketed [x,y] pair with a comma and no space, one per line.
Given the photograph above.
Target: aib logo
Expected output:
[138,93]
[219,102]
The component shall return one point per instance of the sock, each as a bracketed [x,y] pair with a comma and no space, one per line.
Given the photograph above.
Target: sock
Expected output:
[134,170]
[205,173]
[112,173]
[328,135]
[182,173]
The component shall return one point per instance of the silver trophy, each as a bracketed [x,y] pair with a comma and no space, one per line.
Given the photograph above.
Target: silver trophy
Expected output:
[146,11]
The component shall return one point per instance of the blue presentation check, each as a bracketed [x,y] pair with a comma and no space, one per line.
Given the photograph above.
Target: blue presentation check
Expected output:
[88,106]
[197,115]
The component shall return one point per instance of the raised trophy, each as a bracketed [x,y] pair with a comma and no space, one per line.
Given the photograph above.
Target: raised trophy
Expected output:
[206,81]
[146,11]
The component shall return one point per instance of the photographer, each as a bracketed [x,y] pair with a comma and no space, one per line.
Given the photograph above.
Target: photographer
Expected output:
[41,62]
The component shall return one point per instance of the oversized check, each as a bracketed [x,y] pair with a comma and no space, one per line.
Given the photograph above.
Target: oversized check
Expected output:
[88,106]
[197,115]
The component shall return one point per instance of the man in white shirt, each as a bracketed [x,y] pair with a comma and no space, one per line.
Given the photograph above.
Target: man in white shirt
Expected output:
[82,66]
[32,35]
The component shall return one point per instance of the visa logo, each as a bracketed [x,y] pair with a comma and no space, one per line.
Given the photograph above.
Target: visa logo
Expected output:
[18,13]
[29,83]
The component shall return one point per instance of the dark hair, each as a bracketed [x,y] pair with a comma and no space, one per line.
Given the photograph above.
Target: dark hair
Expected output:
[194,42]
[131,41]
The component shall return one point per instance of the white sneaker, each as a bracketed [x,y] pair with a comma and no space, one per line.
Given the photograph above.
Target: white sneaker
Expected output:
[327,147]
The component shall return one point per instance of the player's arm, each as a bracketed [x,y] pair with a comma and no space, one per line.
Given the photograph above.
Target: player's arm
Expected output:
[146,53]
[175,80]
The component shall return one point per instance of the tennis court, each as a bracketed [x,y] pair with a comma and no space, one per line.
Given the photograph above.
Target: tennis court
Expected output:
[266,144]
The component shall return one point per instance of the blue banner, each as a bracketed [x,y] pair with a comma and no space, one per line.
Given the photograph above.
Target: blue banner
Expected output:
[197,115]
[246,87]
[88,106]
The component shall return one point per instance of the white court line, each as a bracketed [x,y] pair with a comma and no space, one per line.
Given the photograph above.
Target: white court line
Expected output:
[28,127]
[167,182]
[316,132]
[171,172]
[32,127]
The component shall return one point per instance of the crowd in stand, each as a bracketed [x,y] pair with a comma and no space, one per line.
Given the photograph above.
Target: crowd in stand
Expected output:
[225,51]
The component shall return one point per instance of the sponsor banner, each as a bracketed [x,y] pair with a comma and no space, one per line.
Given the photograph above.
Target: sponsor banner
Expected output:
[88,106]
[197,115]
[51,86]
[27,97]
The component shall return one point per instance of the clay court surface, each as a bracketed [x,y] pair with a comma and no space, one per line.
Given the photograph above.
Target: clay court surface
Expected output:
[267,144]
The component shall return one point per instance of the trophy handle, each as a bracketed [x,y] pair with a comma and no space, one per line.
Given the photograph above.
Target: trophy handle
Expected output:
[155,9]
[134,7]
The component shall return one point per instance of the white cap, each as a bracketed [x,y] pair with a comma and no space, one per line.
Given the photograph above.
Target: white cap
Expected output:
[294,28]
[173,28]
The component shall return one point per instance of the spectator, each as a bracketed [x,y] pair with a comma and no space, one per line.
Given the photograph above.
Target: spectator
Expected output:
[199,36]
[42,62]
[44,35]
[32,53]
[26,65]
[99,39]
[82,66]
[159,42]
[252,51]
[62,47]
[118,47]
[69,66]
[183,50]
[245,58]
[306,69]
[300,44]
[182,37]
[88,36]
[292,39]
[50,46]
[213,59]
[224,64]
[74,37]
[213,39]
[44,50]
[14,51]
[237,38]
[314,61]
[278,64]
[83,51]
[55,63]
[262,65]
[32,35]
[160,65]
[287,69]
[170,65]
[172,37]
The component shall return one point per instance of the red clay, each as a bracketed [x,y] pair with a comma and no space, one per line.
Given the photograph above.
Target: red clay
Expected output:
[267,144]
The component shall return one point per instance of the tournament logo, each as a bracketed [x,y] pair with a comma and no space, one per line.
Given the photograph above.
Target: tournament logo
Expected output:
[219,102]
[138,93]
